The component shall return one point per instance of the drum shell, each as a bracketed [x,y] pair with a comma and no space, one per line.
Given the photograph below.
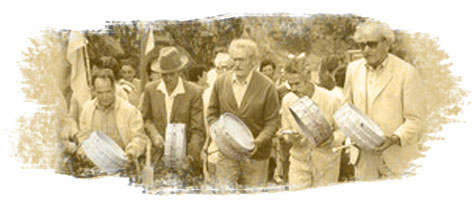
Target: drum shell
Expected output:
[226,143]
[359,127]
[175,146]
[104,152]
[311,121]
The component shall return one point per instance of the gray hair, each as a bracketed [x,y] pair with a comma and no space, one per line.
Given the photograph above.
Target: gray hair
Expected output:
[246,44]
[374,27]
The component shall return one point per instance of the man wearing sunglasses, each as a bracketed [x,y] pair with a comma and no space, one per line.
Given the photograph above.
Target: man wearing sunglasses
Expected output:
[389,91]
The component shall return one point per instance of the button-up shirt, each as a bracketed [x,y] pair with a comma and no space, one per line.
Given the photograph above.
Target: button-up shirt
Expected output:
[169,99]
[105,122]
[240,87]
[372,79]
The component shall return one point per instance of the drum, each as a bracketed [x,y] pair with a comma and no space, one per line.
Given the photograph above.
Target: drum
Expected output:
[175,146]
[104,152]
[311,121]
[232,136]
[358,127]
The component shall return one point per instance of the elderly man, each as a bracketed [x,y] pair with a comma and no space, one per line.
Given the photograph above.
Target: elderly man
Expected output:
[252,97]
[310,166]
[389,91]
[173,100]
[113,116]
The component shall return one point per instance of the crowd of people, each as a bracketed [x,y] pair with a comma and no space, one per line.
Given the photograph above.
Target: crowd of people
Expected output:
[259,92]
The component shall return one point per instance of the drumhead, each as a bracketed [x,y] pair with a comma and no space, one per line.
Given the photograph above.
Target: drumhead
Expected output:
[238,131]
[310,120]
[368,120]
[104,152]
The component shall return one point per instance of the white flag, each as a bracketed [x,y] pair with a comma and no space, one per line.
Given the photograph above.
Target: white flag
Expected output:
[76,55]
[149,42]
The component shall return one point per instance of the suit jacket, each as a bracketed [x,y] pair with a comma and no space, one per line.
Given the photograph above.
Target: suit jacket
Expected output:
[259,108]
[128,121]
[397,106]
[187,109]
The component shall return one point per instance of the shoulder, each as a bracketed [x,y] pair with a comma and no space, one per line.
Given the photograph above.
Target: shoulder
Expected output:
[401,66]
[151,85]
[90,103]
[192,88]
[220,78]
[356,64]
[263,81]
[125,106]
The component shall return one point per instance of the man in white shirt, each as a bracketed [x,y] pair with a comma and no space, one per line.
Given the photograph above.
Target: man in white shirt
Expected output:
[310,166]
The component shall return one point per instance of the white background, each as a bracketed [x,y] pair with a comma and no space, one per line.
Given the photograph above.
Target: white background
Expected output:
[445,172]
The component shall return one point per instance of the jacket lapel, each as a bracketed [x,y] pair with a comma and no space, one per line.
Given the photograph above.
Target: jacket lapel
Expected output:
[120,121]
[360,88]
[250,90]
[228,91]
[382,82]
[161,105]
[175,106]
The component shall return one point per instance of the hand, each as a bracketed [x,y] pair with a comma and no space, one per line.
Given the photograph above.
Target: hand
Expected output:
[389,141]
[257,144]
[81,136]
[81,154]
[187,163]
[69,147]
[293,138]
[158,143]
[131,152]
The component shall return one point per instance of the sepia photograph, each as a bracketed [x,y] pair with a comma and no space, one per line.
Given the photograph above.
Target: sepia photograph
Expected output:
[201,100]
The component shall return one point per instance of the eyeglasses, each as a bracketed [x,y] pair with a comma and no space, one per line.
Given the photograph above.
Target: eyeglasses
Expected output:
[370,44]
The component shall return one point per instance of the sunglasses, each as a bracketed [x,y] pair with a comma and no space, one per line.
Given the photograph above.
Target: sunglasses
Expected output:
[370,44]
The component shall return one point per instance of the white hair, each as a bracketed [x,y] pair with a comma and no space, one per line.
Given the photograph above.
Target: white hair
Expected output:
[222,59]
[374,27]
[249,45]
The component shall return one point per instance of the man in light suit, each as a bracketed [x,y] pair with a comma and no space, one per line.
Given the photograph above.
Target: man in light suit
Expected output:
[174,100]
[389,91]
[112,115]
[253,98]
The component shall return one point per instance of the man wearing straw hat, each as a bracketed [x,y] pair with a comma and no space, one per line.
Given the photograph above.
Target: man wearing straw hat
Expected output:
[310,166]
[113,116]
[174,100]
[252,97]
[389,91]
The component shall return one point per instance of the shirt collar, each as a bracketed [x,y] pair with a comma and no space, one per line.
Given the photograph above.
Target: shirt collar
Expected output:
[179,89]
[246,81]
[101,108]
[370,68]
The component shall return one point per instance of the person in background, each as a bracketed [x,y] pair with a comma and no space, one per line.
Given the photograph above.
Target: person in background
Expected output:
[252,97]
[130,84]
[268,69]
[389,91]
[222,64]
[199,76]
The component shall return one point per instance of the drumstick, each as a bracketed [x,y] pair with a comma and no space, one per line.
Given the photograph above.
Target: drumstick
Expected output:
[137,170]
[335,149]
